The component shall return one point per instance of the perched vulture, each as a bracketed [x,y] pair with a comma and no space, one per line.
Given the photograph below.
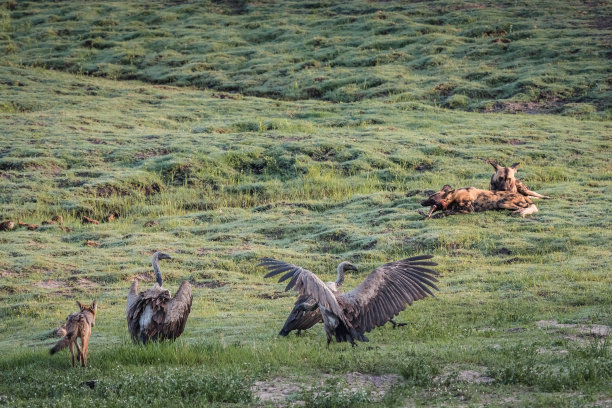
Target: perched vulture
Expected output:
[348,316]
[300,319]
[153,314]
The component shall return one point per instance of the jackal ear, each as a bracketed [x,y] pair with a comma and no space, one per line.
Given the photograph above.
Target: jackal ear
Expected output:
[446,188]
[494,164]
[514,166]
[80,305]
[94,305]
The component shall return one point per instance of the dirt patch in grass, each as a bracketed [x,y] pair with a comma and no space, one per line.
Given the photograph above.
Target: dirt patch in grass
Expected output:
[594,330]
[146,154]
[210,285]
[63,288]
[379,383]
[52,284]
[274,295]
[142,277]
[547,106]
[277,390]
[85,284]
[515,142]
[8,274]
[108,190]
[451,375]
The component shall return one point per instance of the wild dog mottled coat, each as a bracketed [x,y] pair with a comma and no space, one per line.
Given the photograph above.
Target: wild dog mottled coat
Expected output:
[466,200]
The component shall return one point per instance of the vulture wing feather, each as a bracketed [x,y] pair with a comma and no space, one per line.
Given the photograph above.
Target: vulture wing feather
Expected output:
[132,296]
[387,290]
[177,311]
[309,284]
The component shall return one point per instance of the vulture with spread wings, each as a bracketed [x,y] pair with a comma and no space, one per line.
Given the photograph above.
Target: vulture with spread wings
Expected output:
[153,314]
[348,316]
[300,319]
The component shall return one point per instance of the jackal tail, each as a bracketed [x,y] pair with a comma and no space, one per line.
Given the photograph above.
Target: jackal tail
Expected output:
[62,344]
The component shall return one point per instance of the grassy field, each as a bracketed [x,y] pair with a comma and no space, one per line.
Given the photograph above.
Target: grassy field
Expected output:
[204,118]
[492,56]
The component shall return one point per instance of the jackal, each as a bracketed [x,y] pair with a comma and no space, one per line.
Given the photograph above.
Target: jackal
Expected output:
[503,180]
[467,200]
[77,325]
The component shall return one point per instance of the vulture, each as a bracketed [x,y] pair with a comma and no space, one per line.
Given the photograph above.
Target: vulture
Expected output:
[300,319]
[153,314]
[348,316]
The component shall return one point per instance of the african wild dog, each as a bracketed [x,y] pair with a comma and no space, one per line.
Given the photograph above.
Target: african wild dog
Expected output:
[467,200]
[503,180]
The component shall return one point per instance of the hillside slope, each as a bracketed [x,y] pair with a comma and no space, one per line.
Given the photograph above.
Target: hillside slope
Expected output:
[531,56]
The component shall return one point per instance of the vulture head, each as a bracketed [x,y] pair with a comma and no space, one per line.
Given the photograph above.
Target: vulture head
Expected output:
[155,261]
[342,268]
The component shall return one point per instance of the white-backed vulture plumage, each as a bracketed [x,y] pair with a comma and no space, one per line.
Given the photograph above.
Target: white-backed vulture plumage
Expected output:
[153,314]
[380,297]
[300,319]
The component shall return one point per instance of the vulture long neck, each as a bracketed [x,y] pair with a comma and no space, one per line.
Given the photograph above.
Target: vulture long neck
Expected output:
[157,271]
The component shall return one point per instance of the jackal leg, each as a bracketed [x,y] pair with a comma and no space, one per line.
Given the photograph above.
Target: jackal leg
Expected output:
[78,349]
[70,346]
[85,340]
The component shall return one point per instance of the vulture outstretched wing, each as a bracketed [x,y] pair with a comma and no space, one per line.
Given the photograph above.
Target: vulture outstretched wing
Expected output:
[306,283]
[387,290]
[300,319]
[177,311]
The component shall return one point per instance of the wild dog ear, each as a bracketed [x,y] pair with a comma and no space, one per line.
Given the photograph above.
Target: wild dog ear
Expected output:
[94,305]
[446,188]
[514,166]
[80,305]
[494,164]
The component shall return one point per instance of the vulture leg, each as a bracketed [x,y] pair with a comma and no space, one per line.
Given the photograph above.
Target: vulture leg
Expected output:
[299,332]
[395,324]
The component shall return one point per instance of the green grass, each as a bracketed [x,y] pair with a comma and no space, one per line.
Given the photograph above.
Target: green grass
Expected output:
[313,179]
[467,55]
